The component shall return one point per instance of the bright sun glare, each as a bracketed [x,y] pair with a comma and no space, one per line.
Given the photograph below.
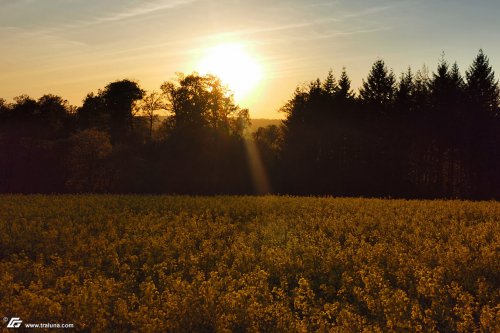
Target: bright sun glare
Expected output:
[234,66]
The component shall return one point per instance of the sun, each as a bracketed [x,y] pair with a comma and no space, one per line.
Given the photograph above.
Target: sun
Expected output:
[235,66]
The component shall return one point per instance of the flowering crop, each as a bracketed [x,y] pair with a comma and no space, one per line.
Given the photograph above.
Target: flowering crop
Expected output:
[256,264]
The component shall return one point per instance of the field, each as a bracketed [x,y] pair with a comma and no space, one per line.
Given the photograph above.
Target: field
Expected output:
[256,264]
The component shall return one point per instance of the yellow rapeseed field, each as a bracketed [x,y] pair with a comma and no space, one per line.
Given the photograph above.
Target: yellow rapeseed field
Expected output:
[250,264]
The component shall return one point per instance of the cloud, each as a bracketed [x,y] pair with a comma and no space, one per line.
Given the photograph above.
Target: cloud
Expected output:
[273,28]
[26,38]
[315,34]
[316,23]
[143,9]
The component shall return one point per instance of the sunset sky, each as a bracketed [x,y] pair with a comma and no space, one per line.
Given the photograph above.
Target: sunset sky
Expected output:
[73,47]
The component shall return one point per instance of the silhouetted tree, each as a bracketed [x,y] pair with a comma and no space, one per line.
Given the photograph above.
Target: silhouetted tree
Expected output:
[54,111]
[420,133]
[30,140]
[150,105]
[482,87]
[378,91]
[198,102]
[330,85]
[446,89]
[318,137]
[119,98]
[42,119]
[483,128]
[88,161]
[405,93]
[111,109]
[93,114]
[421,91]
[344,92]
[4,108]
[206,129]
[25,108]
[376,97]
[300,144]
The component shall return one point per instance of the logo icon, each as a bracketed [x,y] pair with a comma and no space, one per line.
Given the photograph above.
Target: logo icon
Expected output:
[15,322]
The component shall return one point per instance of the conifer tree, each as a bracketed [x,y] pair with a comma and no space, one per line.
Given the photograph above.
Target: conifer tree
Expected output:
[421,90]
[344,91]
[379,88]
[483,121]
[482,87]
[330,84]
[404,93]
[446,91]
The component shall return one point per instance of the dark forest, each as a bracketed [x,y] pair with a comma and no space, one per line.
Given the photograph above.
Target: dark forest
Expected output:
[419,135]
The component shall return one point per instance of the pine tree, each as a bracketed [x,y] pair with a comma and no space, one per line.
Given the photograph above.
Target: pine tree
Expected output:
[483,121]
[421,90]
[344,91]
[439,86]
[447,87]
[445,121]
[330,84]
[404,94]
[379,88]
[482,87]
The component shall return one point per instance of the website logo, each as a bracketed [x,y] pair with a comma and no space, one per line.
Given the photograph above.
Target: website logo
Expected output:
[15,322]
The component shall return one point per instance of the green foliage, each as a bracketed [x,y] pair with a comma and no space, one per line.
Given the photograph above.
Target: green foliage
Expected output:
[237,264]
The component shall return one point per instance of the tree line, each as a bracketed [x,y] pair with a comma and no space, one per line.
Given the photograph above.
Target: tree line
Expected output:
[417,136]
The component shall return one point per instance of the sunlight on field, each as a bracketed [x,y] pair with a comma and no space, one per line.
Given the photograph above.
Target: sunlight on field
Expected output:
[260,264]
[259,175]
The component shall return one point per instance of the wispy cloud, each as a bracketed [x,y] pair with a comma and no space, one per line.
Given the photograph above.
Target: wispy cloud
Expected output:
[315,34]
[28,37]
[57,34]
[272,28]
[346,22]
[369,11]
[338,33]
[144,8]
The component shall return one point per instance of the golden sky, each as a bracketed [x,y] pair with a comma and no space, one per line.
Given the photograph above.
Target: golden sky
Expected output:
[73,47]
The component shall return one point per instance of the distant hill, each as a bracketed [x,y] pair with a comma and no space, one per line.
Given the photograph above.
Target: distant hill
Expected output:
[255,123]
